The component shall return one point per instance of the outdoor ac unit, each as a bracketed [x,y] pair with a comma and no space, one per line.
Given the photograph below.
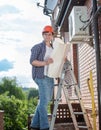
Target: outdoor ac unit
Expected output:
[77,20]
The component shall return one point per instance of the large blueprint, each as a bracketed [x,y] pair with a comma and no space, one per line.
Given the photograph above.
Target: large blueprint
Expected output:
[58,55]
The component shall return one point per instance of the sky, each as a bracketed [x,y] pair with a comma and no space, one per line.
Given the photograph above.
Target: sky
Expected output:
[21,24]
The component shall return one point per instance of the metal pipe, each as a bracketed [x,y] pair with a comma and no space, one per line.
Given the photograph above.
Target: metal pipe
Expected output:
[97,51]
[95,16]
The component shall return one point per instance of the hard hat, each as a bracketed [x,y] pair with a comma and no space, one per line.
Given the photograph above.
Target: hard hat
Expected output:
[48,28]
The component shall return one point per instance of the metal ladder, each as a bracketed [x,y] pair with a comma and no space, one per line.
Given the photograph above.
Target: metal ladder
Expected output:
[68,80]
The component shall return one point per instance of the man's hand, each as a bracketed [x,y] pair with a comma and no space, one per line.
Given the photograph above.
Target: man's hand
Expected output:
[49,61]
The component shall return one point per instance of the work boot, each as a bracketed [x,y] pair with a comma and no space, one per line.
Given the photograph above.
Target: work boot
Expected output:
[32,128]
[45,129]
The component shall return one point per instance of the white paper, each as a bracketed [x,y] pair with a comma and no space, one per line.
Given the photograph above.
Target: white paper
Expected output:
[58,55]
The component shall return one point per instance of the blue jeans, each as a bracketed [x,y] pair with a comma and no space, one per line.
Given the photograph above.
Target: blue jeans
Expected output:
[40,119]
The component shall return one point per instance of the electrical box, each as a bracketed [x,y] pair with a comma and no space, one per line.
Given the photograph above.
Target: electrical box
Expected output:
[77,20]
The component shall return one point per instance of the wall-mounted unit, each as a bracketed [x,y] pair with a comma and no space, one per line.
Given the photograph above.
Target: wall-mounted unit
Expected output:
[78,18]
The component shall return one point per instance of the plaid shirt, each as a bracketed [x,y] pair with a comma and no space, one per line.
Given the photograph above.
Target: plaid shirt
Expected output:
[38,53]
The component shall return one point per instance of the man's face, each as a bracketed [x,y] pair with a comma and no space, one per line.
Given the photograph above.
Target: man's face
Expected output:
[47,36]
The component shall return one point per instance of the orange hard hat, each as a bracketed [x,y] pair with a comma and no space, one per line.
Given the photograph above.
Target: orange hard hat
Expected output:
[48,28]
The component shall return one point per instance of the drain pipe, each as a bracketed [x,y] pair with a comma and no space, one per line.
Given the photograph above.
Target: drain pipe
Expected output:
[98,62]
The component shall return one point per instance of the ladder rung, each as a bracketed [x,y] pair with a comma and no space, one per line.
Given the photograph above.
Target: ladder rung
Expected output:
[83,127]
[66,84]
[78,113]
[59,99]
[73,99]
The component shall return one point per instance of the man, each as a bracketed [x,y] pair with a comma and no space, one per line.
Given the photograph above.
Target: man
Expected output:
[40,59]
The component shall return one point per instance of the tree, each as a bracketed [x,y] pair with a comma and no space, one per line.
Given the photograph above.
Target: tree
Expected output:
[10,85]
[33,92]
[16,107]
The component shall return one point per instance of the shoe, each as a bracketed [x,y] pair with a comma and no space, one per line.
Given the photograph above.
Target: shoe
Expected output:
[35,129]
[45,129]
[32,128]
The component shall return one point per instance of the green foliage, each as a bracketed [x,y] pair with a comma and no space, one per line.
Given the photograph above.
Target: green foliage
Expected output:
[32,93]
[16,106]
[32,103]
[15,112]
[10,85]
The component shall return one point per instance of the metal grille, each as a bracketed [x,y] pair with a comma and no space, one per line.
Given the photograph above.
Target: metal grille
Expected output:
[63,114]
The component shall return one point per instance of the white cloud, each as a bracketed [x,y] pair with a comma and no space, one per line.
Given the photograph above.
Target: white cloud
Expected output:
[20,29]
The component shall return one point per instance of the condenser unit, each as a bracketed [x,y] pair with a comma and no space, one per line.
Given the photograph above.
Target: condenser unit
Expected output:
[77,20]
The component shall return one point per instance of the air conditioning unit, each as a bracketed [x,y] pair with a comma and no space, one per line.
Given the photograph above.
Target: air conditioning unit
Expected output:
[77,20]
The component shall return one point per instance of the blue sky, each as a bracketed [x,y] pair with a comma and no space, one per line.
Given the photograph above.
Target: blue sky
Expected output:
[21,24]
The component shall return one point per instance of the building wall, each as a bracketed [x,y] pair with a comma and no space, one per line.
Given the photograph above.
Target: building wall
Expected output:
[86,64]
[83,59]
[84,55]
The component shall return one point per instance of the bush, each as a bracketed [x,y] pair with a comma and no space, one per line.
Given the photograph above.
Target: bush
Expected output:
[15,112]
